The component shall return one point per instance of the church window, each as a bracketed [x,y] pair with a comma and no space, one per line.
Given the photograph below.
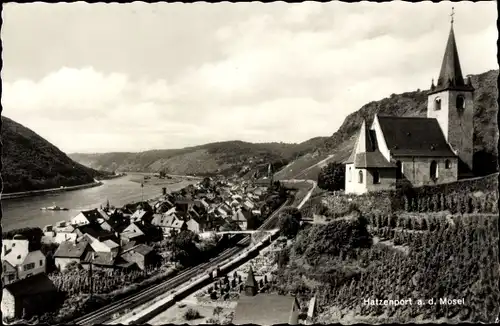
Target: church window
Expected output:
[360,177]
[376,177]
[437,104]
[350,175]
[399,170]
[434,170]
[460,103]
[447,164]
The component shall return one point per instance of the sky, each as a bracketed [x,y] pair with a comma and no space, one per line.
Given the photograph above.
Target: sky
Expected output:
[131,77]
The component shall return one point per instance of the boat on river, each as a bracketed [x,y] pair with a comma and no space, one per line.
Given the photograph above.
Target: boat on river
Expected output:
[54,208]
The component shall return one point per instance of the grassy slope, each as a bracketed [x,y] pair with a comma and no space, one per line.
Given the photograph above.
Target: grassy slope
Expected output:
[412,104]
[29,162]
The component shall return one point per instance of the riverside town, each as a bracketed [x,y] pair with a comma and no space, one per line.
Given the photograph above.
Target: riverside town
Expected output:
[250,163]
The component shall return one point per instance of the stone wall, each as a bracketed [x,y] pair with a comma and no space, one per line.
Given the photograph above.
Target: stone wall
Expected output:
[418,170]
[8,305]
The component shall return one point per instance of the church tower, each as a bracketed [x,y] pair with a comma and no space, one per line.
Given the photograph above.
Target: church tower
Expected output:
[451,102]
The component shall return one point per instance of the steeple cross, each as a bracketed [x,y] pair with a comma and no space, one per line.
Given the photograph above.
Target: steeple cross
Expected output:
[452,14]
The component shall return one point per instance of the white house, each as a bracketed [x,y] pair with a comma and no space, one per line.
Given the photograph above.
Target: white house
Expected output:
[26,263]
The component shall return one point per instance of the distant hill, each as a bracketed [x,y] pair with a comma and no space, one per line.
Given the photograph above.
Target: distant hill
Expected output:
[409,104]
[228,158]
[30,162]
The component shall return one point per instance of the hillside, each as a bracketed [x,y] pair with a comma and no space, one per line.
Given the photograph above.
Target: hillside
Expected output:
[222,157]
[29,162]
[410,104]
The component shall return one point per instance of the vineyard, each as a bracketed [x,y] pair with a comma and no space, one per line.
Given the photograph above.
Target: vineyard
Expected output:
[76,282]
[468,196]
[107,286]
[449,256]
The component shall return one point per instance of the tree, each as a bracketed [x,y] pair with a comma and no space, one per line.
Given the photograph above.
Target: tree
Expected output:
[217,311]
[206,183]
[289,222]
[332,177]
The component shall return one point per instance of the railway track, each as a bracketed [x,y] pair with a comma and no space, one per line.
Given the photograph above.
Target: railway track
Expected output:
[106,313]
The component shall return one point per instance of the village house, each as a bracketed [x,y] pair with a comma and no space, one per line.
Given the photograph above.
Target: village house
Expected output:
[27,297]
[141,255]
[167,222]
[132,232]
[89,216]
[141,215]
[68,252]
[9,273]
[419,151]
[195,224]
[100,260]
[263,308]
[100,246]
[20,262]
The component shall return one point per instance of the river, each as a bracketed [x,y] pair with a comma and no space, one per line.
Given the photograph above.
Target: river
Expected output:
[25,212]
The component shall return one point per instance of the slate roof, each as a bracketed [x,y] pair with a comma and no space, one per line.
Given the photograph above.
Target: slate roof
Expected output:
[36,284]
[93,215]
[71,250]
[100,258]
[141,249]
[132,231]
[95,231]
[450,75]
[263,309]
[373,159]
[111,244]
[414,136]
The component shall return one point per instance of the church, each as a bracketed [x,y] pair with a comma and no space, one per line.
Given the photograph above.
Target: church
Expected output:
[419,151]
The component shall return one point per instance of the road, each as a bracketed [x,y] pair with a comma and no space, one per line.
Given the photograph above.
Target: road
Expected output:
[145,296]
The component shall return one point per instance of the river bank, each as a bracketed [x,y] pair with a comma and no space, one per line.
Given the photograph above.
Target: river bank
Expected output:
[23,194]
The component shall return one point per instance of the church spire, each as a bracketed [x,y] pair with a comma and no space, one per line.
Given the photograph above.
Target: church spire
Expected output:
[451,72]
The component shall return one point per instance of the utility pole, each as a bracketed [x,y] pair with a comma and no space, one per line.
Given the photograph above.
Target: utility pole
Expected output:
[91,276]
[142,189]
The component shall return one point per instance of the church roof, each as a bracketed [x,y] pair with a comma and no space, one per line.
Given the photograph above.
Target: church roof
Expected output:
[450,76]
[407,136]
[365,143]
[373,159]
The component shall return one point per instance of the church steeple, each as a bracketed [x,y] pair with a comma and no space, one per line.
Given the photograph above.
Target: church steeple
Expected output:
[451,103]
[450,75]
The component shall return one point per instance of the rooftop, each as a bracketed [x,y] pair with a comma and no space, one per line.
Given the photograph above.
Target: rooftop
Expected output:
[264,309]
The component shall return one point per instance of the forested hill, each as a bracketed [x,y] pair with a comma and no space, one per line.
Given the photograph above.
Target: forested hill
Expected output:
[30,162]
[410,104]
[228,158]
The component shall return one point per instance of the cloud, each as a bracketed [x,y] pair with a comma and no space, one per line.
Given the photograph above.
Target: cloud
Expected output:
[280,73]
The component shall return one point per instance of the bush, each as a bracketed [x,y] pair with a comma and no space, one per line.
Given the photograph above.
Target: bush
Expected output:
[192,314]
